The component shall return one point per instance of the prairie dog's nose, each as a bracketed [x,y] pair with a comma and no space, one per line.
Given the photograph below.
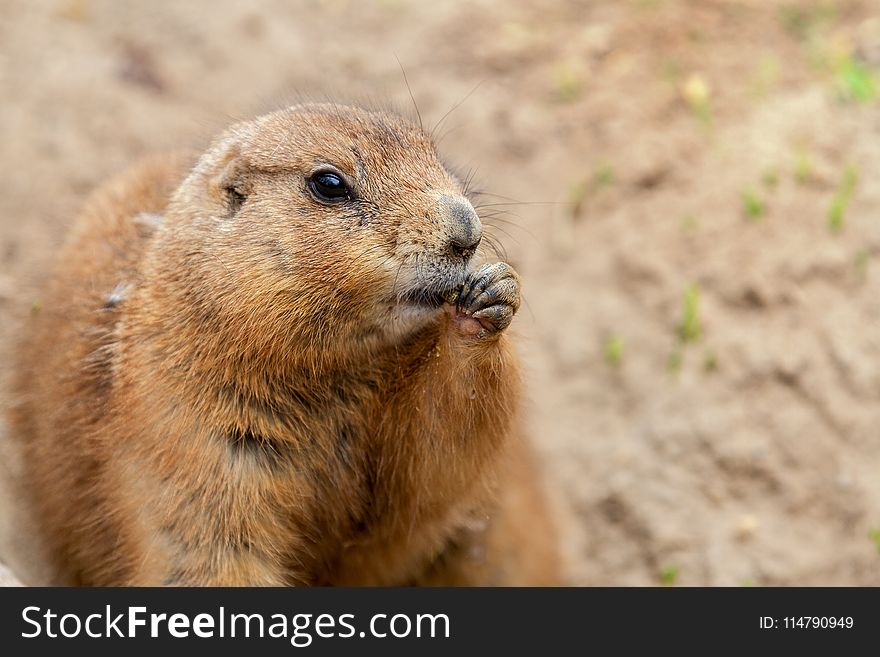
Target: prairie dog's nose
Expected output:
[464,228]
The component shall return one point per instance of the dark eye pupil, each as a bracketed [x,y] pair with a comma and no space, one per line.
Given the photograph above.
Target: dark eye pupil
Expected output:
[329,186]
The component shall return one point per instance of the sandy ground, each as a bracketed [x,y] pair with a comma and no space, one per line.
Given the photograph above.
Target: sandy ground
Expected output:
[701,329]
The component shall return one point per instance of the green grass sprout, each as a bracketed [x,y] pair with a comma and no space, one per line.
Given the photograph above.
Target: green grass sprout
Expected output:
[753,205]
[840,200]
[614,350]
[690,328]
[669,576]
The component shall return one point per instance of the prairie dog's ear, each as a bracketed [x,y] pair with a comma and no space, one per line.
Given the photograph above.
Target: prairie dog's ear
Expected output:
[232,184]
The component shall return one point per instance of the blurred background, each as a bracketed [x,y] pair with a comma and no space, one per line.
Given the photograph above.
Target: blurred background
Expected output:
[689,189]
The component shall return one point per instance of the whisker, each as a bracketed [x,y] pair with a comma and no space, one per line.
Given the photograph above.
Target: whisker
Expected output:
[527,306]
[509,236]
[502,217]
[409,89]
[510,203]
[491,223]
[500,214]
[496,246]
[443,118]
[469,180]
[480,192]
[439,140]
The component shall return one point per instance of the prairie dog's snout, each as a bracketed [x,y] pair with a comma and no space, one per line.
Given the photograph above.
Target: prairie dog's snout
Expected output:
[464,229]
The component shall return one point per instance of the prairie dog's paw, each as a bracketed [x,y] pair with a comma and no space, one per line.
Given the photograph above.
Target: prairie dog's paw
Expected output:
[488,300]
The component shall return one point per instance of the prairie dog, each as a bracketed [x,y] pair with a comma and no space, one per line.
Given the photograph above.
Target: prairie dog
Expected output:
[279,365]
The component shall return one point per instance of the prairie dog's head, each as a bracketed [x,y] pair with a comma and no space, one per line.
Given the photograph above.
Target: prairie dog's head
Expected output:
[333,212]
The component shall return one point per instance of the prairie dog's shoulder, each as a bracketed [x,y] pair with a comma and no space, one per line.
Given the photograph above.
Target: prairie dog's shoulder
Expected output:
[120,214]
[97,264]
[106,242]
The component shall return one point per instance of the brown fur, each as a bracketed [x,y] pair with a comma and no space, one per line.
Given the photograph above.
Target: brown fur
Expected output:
[227,383]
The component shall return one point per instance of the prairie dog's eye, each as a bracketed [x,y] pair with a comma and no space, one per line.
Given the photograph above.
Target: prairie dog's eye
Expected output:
[329,186]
